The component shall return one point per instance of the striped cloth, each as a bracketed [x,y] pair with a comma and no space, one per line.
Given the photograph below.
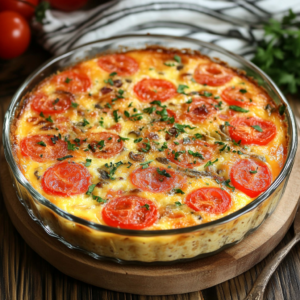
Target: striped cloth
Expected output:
[234,25]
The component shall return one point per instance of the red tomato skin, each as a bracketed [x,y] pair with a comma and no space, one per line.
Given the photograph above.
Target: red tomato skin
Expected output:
[250,184]
[15,34]
[152,89]
[129,212]
[149,180]
[252,136]
[203,200]
[229,95]
[43,103]
[197,114]
[79,81]
[24,9]
[66,179]
[123,64]
[212,74]
[68,5]
[29,147]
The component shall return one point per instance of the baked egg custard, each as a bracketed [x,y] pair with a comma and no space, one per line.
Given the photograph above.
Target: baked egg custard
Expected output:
[150,139]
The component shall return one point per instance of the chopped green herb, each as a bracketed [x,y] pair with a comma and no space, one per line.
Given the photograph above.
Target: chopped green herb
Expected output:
[181,88]
[189,101]
[91,189]
[73,104]
[113,74]
[198,135]
[146,206]
[281,109]
[122,139]
[227,183]
[158,103]
[68,80]
[71,146]
[179,191]
[253,171]
[206,94]
[243,91]
[178,203]
[55,101]
[42,115]
[116,117]
[138,140]
[85,122]
[107,105]
[210,163]
[163,172]
[49,119]
[99,199]
[146,164]
[168,64]
[177,58]
[257,127]
[195,154]
[88,162]
[65,157]
[238,108]
[41,143]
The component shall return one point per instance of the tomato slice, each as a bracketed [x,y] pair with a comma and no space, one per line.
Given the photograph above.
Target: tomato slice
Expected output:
[252,130]
[190,155]
[237,95]
[122,64]
[34,147]
[154,89]
[130,212]
[201,109]
[209,199]
[72,81]
[150,180]
[55,103]
[250,176]
[113,145]
[66,179]
[212,74]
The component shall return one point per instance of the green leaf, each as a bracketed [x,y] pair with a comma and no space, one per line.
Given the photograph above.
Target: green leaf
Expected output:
[42,143]
[65,157]
[85,122]
[49,119]
[146,206]
[177,58]
[181,88]
[88,162]
[146,164]
[138,140]
[178,203]
[113,74]
[257,127]
[91,189]
[179,191]
[163,172]
[40,11]
[238,108]
[227,183]
[243,91]
[73,104]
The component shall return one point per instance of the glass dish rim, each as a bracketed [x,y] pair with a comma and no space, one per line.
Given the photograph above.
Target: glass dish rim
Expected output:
[149,233]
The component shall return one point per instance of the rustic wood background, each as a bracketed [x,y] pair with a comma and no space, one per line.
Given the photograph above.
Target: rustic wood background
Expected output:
[24,275]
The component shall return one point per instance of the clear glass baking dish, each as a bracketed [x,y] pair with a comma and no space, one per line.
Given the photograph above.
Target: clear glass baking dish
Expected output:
[147,246]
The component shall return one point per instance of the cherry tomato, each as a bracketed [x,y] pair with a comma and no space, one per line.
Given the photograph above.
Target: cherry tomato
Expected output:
[212,74]
[130,212]
[154,89]
[193,154]
[68,5]
[252,130]
[15,34]
[237,95]
[111,146]
[250,176]
[24,8]
[150,180]
[122,64]
[66,179]
[54,103]
[72,81]
[209,199]
[201,109]
[41,147]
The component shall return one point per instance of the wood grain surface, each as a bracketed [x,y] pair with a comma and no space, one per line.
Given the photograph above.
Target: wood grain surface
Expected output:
[25,275]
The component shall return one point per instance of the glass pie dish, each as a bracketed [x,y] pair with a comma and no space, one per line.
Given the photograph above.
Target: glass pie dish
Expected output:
[147,246]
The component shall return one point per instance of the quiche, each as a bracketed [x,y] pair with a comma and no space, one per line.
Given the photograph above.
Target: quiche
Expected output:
[150,139]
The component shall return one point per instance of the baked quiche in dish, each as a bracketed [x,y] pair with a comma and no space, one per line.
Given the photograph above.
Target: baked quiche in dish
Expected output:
[149,139]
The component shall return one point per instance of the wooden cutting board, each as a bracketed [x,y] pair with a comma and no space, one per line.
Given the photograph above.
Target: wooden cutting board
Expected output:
[157,280]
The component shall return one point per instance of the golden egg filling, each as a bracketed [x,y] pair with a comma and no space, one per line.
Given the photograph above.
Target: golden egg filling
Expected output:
[150,139]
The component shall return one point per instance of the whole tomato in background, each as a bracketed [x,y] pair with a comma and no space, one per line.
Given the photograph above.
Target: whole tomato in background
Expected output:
[25,8]
[15,34]
[67,5]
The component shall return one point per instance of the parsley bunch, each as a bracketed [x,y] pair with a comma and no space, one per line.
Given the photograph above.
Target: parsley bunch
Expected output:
[279,53]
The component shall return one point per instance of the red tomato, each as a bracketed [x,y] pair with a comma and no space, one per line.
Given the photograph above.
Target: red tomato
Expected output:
[24,8]
[113,145]
[251,184]
[72,81]
[15,34]
[117,127]
[122,64]
[154,89]
[245,129]
[55,103]
[66,179]
[209,199]
[212,74]
[201,109]
[31,146]
[193,154]
[130,212]
[237,95]
[67,5]
[150,180]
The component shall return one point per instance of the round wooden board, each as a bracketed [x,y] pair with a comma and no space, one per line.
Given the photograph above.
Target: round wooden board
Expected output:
[157,280]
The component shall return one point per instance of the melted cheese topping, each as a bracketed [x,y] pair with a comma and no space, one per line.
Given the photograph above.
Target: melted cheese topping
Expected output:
[94,106]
